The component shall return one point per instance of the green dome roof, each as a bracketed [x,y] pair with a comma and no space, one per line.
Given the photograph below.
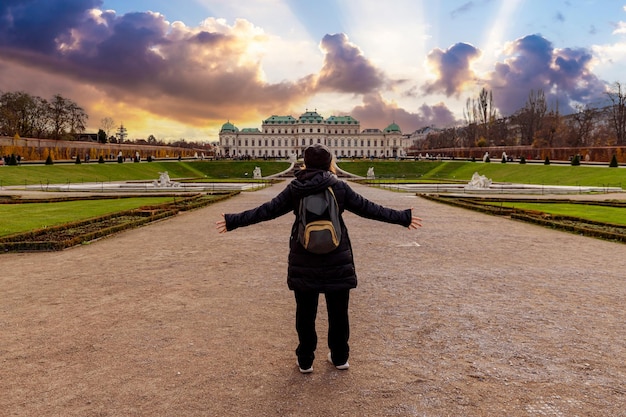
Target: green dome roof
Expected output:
[229,127]
[393,128]
[311,117]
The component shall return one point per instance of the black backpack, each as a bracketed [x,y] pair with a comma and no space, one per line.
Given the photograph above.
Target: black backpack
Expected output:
[319,229]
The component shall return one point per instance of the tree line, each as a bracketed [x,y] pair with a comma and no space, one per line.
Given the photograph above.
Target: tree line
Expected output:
[60,118]
[536,124]
[32,116]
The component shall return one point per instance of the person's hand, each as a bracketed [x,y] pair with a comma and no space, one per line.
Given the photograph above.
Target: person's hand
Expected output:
[220,225]
[415,221]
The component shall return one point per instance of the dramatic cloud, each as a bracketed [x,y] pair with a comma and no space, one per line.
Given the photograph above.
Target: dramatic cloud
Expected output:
[452,68]
[187,74]
[36,24]
[377,113]
[346,69]
[563,74]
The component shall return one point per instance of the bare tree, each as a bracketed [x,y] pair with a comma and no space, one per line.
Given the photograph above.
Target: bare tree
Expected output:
[530,117]
[107,124]
[66,117]
[17,113]
[581,125]
[617,112]
[471,130]
[486,113]
[77,118]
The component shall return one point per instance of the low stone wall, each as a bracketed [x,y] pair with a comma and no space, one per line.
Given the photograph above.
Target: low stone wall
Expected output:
[31,149]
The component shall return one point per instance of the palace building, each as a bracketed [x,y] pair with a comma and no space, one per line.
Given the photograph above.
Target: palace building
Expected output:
[286,136]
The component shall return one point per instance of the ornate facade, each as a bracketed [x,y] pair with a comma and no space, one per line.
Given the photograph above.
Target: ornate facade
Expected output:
[285,136]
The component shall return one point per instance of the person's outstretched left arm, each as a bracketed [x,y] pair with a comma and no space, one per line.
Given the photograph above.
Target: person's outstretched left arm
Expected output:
[359,205]
[415,221]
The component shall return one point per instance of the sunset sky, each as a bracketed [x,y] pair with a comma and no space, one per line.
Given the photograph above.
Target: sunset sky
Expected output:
[181,69]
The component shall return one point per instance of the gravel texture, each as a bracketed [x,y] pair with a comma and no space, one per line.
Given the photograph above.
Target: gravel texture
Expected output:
[472,315]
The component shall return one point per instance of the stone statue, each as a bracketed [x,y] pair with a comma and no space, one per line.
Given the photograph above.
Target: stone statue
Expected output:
[478,182]
[370,173]
[256,174]
[164,181]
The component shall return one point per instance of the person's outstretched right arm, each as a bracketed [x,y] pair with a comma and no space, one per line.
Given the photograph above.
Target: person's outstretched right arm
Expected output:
[279,205]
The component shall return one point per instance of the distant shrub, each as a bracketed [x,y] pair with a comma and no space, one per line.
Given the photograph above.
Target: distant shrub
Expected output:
[613,163]
[522,160]
[49,160]
[77,161]
[576,160]
[546,161]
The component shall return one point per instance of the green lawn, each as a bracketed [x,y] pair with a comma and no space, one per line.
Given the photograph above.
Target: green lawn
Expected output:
[432,171]
[613,215]
[24,217]
[435,171]
[30,216]
[95,172]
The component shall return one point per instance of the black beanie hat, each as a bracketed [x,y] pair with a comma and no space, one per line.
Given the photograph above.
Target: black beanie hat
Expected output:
[317,156]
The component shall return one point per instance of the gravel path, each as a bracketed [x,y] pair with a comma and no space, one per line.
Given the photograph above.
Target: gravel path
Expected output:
[472,315]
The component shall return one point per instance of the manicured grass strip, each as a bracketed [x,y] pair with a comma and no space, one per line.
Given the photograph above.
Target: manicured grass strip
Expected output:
[614,215]
[43,175]
[31,216]
[440,171]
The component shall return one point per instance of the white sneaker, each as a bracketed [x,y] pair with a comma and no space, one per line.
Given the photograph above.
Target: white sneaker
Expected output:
[304,371]
[340,367]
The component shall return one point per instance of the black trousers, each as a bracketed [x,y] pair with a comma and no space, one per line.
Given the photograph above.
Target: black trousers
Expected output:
[338,325]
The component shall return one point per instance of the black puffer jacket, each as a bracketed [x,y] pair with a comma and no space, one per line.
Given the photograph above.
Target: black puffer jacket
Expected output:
[306,270]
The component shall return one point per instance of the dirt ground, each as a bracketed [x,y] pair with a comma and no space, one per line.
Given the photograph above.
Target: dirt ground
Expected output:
[472,315]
